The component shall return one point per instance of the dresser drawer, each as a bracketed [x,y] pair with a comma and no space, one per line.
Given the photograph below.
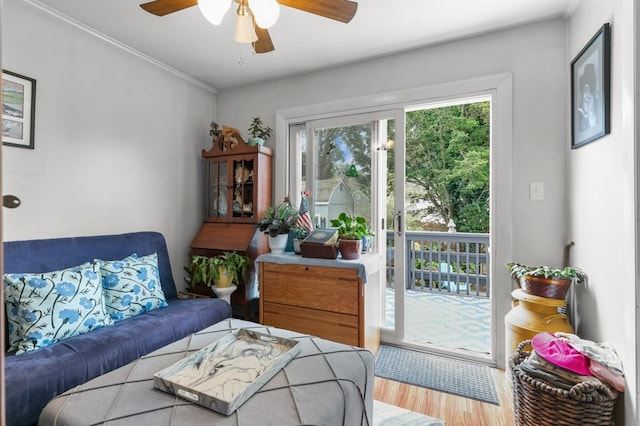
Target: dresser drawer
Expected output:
[347,274]
[326,289]
[326,325]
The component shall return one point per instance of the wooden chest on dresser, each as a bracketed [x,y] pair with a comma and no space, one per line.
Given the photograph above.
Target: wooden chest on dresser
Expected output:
[332,303]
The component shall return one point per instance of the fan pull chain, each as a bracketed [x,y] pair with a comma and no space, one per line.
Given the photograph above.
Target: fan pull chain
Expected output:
[241,57]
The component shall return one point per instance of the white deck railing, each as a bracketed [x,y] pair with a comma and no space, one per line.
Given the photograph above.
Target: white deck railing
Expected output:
[455,263]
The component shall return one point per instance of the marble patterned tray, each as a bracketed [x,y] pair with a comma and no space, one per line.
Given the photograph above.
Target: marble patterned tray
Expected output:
[224,374]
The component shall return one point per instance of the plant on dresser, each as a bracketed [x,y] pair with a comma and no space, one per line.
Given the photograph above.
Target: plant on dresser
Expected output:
[277,223]
[351,231]
[279,219]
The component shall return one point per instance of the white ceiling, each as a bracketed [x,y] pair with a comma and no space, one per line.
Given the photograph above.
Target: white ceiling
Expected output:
[303,42]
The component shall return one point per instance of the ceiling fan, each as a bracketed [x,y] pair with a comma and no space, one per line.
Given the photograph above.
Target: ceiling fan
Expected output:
[339,10]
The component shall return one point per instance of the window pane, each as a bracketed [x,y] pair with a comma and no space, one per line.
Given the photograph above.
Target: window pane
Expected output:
[342,160]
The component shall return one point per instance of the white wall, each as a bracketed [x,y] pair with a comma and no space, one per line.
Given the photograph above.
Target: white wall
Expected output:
[602,198]
[535,55]
[117,139]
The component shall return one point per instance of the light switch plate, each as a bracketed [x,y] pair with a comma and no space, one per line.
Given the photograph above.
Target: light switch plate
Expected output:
[536,191]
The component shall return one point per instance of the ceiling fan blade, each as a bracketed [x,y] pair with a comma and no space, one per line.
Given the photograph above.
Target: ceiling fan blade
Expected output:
[165,7]
[339,10]
[264,43]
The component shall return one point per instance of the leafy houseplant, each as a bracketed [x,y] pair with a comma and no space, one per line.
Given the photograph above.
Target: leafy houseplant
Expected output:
[259,133]
[279,220]
[545,281]
[351,230]
[351,227]
[277,223]
[229,265]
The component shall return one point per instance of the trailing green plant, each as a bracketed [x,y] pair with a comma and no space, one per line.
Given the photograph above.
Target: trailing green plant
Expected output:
[518,270]
[279,220]
[351,227]
[257,129]
[206,269]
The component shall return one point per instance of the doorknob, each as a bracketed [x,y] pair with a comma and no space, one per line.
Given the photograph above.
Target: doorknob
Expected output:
[10,201]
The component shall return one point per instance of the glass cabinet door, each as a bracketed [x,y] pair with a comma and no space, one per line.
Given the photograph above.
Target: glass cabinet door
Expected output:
[243,182]
[230,190]
[217,191]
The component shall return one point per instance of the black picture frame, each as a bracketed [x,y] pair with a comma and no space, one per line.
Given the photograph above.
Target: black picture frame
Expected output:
[18,110]
[590,90]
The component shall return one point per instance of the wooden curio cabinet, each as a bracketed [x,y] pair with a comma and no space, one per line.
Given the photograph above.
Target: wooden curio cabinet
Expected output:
[237,193]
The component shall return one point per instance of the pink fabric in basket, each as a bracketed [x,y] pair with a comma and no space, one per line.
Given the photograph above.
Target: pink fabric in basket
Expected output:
[560,353]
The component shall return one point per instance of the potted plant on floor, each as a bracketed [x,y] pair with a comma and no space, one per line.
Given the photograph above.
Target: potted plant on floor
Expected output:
[259,132]
[351,230]
[277,223]
[223,269]
[545,281]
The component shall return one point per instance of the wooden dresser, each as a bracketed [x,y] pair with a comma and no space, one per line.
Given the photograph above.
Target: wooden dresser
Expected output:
[312,296]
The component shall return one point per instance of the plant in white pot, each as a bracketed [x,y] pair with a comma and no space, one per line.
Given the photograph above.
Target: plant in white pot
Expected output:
[259,132]
[545,281]
[221,270]
[277,223]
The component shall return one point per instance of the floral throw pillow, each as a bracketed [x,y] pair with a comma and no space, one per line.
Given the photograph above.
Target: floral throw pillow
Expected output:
[45,308]
[131,286]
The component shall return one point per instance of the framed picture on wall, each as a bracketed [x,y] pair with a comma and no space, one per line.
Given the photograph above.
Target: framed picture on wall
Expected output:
[590,87]
[18,110]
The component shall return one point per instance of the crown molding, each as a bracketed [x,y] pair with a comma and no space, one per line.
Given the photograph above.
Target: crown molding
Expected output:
[92,31]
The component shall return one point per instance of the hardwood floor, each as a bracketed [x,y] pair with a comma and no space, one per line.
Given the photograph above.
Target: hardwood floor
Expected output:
[454,410]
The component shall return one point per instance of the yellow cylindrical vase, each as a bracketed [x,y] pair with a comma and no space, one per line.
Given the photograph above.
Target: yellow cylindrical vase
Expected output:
[530,316]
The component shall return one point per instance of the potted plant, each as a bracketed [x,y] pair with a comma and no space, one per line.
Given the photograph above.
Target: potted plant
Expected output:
[277,223]
[259,132]
[545,281]
[223,269]
[299,234]
[351,230]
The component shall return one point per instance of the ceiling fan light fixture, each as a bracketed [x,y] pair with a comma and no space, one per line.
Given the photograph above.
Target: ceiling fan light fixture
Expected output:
[214,10]
[265,12]
[245,33]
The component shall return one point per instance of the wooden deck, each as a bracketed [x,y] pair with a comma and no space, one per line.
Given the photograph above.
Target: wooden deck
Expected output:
[454,321]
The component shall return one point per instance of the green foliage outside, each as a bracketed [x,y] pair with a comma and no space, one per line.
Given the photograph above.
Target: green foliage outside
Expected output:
[447,163]
[331,160]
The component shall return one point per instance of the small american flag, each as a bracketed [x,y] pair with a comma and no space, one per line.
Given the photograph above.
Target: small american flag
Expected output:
[304,218]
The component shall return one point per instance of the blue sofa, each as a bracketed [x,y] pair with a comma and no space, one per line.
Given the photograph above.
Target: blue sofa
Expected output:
[34,378]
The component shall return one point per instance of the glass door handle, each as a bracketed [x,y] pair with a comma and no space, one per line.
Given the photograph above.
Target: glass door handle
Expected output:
[397,222]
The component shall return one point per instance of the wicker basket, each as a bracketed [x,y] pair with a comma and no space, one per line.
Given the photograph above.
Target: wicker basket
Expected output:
[537,403]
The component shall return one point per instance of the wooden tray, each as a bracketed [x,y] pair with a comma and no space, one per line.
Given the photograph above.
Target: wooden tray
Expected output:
[226,373]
